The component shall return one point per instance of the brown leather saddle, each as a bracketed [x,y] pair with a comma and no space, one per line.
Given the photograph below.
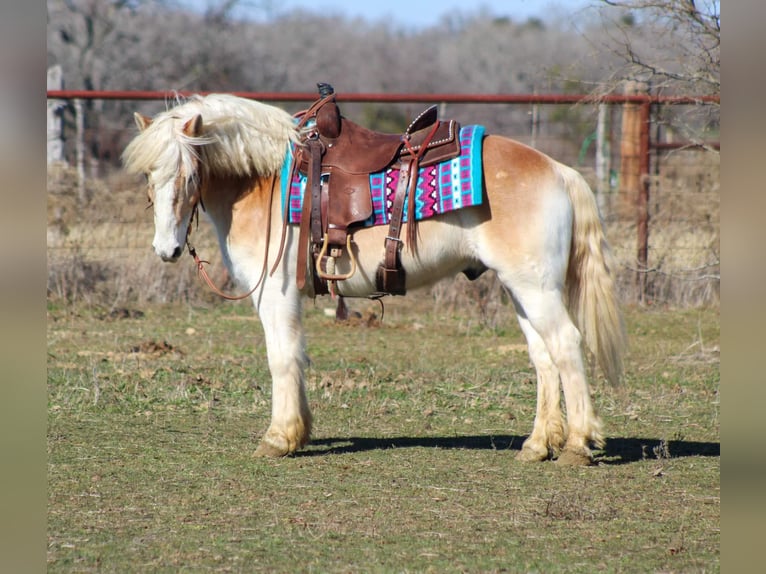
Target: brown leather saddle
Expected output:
[337,157]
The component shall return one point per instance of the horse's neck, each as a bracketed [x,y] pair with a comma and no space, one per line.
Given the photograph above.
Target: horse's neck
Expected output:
[240,208]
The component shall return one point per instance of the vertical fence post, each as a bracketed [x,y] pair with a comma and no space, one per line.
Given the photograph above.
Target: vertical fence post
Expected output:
[630,174]
[642,205]
[55,121]
[603,156]
[79,115]
[634,171]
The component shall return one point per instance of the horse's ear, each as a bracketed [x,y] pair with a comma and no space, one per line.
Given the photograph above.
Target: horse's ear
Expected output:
[193,127]
[142,121]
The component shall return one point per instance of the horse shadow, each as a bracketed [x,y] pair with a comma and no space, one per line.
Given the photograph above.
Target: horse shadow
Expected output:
[618,450]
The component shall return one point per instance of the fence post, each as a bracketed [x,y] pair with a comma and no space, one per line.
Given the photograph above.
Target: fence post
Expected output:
[79,115]
[630,173]
[603,156]
[634,171]
[642,206]
[55,81]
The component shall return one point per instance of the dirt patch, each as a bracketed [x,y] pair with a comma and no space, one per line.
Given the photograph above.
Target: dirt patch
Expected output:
[357,319]
[152,347]
[122,313]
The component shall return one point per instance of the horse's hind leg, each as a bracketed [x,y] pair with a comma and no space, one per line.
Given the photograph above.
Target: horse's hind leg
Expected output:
[549,431]
[548,318]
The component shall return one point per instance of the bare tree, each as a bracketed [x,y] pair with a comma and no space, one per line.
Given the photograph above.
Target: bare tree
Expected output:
[669,43]
[160,45]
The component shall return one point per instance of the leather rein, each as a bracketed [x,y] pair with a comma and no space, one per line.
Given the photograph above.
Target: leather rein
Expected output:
[302,117]
[200,263]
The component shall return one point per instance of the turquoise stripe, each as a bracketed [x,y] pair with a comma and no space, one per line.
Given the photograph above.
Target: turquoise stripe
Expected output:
[476,164]
[284,176]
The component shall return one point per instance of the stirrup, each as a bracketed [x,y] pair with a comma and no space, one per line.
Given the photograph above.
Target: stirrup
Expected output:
[327,276]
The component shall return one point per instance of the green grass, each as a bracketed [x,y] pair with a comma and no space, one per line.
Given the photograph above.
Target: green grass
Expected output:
[153,420]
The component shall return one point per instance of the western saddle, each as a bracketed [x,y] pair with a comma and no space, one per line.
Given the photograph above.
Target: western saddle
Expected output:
[337,157]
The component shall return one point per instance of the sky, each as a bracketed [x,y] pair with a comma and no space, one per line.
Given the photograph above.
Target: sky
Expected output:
[413,14]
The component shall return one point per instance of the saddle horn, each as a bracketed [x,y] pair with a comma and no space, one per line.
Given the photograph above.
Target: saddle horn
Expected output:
[328,115]
[325,89]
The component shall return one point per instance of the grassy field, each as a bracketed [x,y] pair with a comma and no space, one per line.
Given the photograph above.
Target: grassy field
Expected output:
[154,413]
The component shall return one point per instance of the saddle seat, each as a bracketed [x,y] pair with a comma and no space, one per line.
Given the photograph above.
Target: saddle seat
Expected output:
[358,150]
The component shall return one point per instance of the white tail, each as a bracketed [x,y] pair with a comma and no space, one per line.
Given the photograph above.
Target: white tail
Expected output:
[591,294]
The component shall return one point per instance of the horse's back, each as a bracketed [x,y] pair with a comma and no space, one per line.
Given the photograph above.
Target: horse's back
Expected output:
[514,157]
[529,212]
[525,216]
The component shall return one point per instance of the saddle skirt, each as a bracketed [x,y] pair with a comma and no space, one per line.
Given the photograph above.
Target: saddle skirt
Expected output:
[441,187]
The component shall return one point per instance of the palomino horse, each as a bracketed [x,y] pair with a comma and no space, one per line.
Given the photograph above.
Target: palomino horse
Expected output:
[538,228]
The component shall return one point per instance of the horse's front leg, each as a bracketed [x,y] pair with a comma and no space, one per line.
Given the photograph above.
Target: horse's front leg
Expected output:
[290,427]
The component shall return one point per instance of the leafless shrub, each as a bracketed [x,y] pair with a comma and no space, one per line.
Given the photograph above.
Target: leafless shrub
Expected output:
[74,278]
[662,450]
[485,296]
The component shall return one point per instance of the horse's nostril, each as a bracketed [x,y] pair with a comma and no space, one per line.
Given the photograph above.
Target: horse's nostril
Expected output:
[176,253]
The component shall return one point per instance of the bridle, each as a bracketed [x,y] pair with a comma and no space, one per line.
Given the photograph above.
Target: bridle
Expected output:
[200,263]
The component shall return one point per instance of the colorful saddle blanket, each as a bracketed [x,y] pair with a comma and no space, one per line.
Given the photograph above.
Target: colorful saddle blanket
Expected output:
[442,187]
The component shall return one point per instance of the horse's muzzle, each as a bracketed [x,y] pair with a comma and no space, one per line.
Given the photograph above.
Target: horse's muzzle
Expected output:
[169,257]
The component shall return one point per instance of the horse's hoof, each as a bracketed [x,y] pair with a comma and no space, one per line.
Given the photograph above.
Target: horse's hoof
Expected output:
[268,450]
[529,454]
[574,458]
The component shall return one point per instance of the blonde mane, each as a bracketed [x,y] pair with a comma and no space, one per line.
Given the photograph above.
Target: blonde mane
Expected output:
[239,137]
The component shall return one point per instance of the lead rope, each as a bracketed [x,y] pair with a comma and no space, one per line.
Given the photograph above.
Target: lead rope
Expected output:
[200,263]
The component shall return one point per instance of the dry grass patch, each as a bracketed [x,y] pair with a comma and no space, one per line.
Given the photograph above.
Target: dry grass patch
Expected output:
[412,464]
